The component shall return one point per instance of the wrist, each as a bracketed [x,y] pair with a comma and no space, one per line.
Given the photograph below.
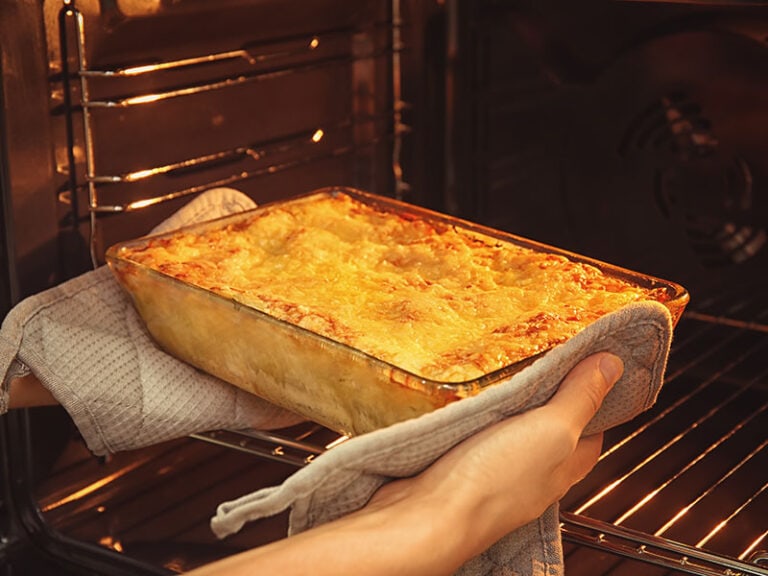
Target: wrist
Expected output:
[16,370]
[22,389]
[442,527]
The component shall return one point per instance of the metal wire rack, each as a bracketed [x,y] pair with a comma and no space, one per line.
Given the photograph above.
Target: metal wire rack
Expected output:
[90,91]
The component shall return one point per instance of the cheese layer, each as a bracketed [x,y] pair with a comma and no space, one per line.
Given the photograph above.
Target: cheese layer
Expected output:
[442,302]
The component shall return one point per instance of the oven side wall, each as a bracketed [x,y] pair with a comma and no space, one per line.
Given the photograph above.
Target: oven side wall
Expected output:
[28,195]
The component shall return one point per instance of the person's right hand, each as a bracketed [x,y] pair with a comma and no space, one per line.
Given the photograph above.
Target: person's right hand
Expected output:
[510,473]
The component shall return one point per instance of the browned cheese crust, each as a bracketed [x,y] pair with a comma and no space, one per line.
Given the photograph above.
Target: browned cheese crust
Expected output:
[442,302]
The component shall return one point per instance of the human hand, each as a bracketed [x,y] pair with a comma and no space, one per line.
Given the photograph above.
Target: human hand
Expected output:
[508,474]
[88,350]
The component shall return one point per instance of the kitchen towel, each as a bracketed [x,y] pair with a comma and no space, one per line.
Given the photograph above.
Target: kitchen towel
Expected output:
[344,478]
[85,342]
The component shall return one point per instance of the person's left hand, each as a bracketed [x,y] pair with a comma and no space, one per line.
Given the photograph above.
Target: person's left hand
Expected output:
[88,349]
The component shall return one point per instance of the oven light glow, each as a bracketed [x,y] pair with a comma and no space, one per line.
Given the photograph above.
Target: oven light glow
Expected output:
[176,565]
[643,501]
[314,43]
[713,532]
[722,524]
[318,135]
[136,70]
[336,442]
[752,547]
[90,488]
[680,513]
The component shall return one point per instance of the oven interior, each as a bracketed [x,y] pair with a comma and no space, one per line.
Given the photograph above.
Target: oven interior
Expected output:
[630,131]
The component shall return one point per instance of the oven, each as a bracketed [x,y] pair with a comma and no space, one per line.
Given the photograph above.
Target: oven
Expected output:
[634,132]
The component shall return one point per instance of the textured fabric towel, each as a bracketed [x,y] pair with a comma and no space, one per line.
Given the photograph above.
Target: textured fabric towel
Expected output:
[344,478]
[85,342]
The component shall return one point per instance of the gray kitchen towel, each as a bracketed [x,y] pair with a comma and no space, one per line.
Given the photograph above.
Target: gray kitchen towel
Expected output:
[85,342]
[344,478]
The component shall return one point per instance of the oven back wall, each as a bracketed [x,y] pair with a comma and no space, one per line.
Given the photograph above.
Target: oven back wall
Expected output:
[631,131]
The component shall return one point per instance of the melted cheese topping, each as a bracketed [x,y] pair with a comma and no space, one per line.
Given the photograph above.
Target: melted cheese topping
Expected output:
[442,302]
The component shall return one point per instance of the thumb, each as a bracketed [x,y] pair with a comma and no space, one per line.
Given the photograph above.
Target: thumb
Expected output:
[585,387]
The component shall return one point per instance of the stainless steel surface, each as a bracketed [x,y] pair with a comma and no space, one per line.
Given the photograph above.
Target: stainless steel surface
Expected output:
[650,549]
[154,504]
[298,450]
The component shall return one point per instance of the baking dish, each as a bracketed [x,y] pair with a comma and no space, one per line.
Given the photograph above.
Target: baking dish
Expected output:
[336,384]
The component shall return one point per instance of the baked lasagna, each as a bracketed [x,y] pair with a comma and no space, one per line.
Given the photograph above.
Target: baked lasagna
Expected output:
[442,302]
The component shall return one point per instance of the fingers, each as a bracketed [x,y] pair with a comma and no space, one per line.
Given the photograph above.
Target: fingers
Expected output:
[585,387]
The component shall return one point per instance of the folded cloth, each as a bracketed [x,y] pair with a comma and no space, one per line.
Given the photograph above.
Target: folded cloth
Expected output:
[85,342]
[344,478]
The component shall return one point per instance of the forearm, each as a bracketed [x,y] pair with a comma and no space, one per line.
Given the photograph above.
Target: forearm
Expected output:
[27,391]
[398,533]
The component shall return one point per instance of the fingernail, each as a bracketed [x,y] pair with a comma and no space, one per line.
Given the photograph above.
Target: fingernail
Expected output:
[612,367]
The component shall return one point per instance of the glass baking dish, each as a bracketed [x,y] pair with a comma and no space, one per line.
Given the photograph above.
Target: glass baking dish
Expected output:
[323,379]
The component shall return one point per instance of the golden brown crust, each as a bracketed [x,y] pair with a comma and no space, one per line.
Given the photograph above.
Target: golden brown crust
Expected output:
[444,303]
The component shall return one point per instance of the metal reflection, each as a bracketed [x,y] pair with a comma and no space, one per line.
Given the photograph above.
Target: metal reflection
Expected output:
[711,448]
[677,438]
[90,488]
[683,511]
[752,553]
[723,523]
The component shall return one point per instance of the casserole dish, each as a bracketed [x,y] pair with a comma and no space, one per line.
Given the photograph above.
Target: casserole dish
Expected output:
[358,311]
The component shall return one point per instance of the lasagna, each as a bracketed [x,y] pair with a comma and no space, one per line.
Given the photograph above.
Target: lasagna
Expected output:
[440,301]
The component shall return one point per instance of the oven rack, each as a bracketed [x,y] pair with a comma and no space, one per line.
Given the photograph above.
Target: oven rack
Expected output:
[258,154]
[298,449]
[261,63]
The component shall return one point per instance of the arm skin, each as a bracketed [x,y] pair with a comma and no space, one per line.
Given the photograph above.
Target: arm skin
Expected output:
[27,391]
[487,486]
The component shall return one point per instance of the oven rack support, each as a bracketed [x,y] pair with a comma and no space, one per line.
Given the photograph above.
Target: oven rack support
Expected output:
[298,450]
[651,549]
[301,149]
